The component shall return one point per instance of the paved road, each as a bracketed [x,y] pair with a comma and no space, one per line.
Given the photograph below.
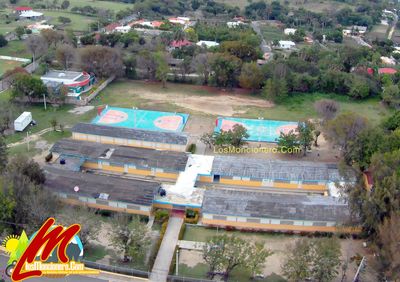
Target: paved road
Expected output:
[102,277]
[265,48]
[167,249]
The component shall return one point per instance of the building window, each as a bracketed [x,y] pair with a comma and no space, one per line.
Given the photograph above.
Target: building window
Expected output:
[216,178]
[319,223]
[253,220]
[219,217]
[287,222]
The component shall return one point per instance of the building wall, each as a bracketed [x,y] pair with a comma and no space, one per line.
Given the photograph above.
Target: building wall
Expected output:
[127,142]
[105,205]
[245,181]
[273,224]
[130,169]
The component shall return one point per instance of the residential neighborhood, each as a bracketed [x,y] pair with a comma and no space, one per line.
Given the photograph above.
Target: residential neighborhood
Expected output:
[199,140]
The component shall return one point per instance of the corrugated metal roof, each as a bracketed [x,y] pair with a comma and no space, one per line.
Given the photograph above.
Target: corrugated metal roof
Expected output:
[275,206]
[132,134]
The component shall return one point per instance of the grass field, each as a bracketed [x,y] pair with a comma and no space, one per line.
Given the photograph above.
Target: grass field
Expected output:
[78,22]
[272,33]
[311,5]
[378,32]
[15,49]
[115,6]
[6,65]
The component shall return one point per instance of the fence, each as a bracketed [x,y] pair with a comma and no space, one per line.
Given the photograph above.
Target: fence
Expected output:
[117,269]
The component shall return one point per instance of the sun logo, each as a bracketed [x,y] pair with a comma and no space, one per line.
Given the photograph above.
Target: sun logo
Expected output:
[10,243]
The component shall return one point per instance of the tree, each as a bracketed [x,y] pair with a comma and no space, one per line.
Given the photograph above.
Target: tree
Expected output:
[88,40]
[226,69]
[326,259]
[250,76]
[36,45]
[202,64]
[208,139]
[288,142]
[7,112]
[129,38]
[162,68]
[241,50]
[65,5]
[3,154]
[297,265]
[66,55]
[64,20]
[305,135]
[130,236]
[239,133]
[224,253]
[130,67]
[315,259]
[389,247]
[3,41]
[257,258]
[19,31]
[87,219]
[317,133]
[275,90]
[359,88]
[392,122]
[391,95]
[54,123]
[103,61]
[233,137]
[345,128]
[25,85]
[52,37]
[327,109]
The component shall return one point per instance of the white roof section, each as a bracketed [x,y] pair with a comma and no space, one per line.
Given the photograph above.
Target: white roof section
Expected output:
[123,29]
[208,44]
[30,14]
[286,42]
[289,31]
[24,116]
[61,76]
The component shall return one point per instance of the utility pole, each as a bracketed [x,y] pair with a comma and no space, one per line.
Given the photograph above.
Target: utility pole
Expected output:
[44,102]
[177,262]
[27,138]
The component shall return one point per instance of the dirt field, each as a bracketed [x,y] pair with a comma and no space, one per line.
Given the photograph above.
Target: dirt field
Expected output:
[279,245]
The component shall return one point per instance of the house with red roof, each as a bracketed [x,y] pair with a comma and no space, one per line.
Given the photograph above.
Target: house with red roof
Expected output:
[176,44]
[111,27]
[21,9]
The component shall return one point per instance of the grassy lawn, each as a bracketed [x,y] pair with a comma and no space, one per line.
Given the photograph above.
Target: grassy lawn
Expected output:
[15,49]
[378,32]
[272,33]
[301,106]
[78,22]
[43,118]
[6,65]
[95,253]
[111,5]
[201,234]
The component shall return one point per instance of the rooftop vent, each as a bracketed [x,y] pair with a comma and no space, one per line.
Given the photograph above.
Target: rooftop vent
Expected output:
[104,196]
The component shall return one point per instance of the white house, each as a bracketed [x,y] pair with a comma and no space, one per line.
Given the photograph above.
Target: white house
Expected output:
[39,26]
[234,24]
[30,15]
[289,31]
[286,44]
[123,29]
[207,44]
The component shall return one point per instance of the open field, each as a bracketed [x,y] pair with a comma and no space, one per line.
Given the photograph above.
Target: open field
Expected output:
[78,22]
[271,33]
[214,102]
[311,5]
[378,32]
[6,65]
[192,264]
[115,6]
[15,49]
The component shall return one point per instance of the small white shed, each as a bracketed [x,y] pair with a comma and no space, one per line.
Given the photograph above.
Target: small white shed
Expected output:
[23,121]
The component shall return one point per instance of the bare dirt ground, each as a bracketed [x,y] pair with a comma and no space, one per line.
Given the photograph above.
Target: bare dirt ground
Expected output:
[218,105]
[279,245]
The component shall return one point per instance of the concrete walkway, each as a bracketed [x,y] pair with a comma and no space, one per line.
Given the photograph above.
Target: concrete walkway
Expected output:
[166,252]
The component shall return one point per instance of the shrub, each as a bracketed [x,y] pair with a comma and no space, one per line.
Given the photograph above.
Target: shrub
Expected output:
[191,148]
[161,215]
[49,157]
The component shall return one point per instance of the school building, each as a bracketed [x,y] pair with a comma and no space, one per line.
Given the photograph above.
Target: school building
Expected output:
[102,192]
[294,175]
[120,159]
[270,211]
[173,141]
